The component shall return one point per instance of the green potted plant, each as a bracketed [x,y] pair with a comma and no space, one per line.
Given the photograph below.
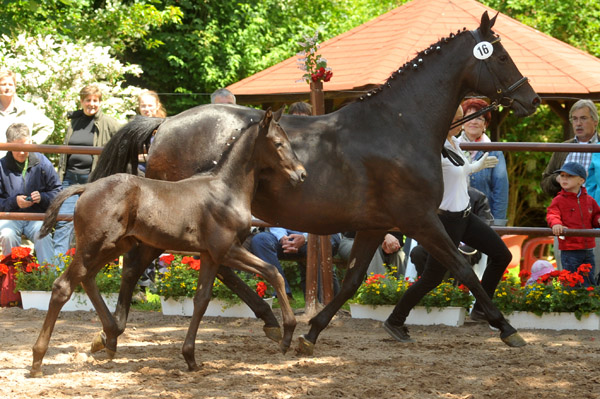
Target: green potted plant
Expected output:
[177,287]
[378,295]
[35,281]
[555,296]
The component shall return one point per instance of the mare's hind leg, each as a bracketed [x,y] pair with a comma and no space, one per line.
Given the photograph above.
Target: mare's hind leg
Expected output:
[206,277]
[260,308]
[134,263]
[61,292]
[363,249]
[438,244]
[242,259]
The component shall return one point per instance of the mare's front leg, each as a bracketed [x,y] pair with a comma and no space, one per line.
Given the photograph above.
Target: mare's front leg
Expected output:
[363,249]
[62,289]
[134,263]
[206,277]
[438,244]
[242,259]
[260,308]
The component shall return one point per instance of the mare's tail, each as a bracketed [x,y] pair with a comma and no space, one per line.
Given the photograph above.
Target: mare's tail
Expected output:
[120,154]
[52,211]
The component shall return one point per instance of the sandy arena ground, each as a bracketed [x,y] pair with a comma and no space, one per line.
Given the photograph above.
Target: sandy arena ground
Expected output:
[353,359]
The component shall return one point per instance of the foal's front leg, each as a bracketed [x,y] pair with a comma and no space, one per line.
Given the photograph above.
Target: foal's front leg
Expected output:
[206,277]
[260,308]
[241,259]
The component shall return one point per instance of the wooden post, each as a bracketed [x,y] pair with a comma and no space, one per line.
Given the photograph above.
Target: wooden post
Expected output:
[318,244]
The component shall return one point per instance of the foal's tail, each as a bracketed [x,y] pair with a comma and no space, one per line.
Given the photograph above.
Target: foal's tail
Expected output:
[52,211]
[120,154]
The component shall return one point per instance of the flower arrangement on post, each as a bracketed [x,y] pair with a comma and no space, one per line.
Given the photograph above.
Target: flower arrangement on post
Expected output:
[314,66]
[557,291]
[181,279]
[387,289]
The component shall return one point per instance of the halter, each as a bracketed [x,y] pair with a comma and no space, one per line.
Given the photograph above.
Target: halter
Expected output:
[504,95]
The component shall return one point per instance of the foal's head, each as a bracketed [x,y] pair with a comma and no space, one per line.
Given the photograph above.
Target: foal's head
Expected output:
[276,150]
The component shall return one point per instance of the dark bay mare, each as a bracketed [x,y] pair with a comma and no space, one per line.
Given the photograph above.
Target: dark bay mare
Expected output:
[208,213]
[372,166]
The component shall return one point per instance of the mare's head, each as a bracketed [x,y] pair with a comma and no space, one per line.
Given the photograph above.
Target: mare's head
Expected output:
[275,149]
[495,75]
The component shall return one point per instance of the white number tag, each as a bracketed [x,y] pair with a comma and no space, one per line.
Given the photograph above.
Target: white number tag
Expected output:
[483,50]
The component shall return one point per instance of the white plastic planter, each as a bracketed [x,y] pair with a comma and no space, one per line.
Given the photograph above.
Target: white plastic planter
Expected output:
[449,316]
[78,301]
[216,307]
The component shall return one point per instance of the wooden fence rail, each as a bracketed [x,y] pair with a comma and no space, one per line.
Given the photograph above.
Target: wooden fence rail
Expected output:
[495,146]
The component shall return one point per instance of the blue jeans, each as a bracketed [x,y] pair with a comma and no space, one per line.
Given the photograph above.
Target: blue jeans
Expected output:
[266,247]
[572,259]
[10,236]
[63,233]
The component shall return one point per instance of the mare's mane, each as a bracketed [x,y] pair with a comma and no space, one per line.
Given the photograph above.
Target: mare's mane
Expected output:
[413,64]
[216,165]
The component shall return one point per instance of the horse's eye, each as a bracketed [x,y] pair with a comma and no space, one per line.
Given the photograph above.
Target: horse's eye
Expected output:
[278,144]
[503,58]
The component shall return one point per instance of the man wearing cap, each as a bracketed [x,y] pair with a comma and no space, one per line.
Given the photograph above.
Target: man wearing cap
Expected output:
[573,208]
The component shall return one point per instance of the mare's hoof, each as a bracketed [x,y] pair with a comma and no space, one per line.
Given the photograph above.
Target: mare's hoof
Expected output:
[305,347]
[514,340]
[99,342]
[35,373]
[194,367]
[273,333]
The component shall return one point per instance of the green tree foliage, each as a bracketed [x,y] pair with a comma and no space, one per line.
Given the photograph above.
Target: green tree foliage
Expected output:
[576,22]
[221,42]
[119,24]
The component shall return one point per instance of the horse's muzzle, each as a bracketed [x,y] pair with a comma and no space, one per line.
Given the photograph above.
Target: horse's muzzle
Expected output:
[299,175]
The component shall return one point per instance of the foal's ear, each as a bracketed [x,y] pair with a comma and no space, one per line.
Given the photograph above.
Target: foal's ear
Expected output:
[486,23]
[278,113]
[266,120]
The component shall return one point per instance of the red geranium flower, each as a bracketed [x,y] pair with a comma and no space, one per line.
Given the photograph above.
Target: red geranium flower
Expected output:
[191,262]
[31,267]
[584,268]
[374,278]
[168,258]
[3,268]
[261,289]
[70,252]
[20,252]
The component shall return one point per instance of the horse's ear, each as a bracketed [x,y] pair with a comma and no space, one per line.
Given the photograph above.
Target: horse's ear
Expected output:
[278,113]
[486,23]
[266,120]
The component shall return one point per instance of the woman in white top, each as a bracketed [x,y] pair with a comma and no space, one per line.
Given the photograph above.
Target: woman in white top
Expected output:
[461,225]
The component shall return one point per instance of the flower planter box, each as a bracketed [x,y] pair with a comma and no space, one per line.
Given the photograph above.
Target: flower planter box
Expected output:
[449,316]
[78,301]
[216,307]
[554,321]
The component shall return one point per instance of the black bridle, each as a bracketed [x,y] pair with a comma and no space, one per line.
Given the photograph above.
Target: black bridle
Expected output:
[503,99]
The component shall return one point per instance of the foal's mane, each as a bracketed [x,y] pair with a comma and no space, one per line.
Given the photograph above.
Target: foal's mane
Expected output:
[414,64]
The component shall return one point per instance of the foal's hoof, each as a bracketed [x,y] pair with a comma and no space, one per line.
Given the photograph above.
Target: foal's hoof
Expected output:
[110,353]
[305,347]
[99,342]
[284,347]
[514,340]
[273,333]
[35,373]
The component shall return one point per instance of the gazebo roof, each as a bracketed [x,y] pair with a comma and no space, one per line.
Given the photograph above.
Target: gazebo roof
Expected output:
[365,56]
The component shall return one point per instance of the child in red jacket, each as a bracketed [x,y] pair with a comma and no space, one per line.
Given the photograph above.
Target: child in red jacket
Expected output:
[573,208]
